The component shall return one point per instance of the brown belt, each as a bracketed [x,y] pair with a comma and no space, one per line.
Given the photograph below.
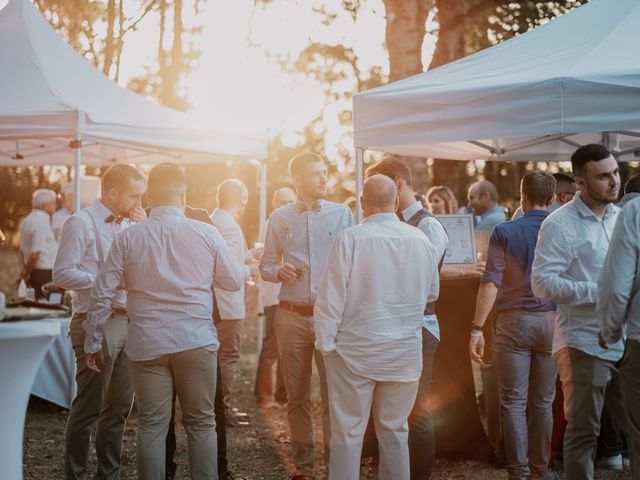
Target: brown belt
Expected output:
[305,310]
[119,311]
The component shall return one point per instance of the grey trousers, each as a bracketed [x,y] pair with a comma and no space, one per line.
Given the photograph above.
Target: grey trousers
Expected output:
[584,383]
[105,397]
[630,383]
[527,380]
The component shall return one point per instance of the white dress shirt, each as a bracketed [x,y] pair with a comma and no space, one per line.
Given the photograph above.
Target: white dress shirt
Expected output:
[569,256]
[57,220]
[85,241]
[619,285]
[269,291]
[302,237]
[36,236]
[169,265]
[379,277]
[438,237]
[231,305]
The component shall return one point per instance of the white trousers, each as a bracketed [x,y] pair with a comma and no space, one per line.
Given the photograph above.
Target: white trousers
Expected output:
[351,398]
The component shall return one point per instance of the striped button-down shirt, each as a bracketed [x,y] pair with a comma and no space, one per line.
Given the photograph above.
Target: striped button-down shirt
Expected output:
[169,265]
[303,238]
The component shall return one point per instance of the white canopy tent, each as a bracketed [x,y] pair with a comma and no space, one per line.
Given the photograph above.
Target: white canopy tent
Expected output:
[536,97]
[58,109]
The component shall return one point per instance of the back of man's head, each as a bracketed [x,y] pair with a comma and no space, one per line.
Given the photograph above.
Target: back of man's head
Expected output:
[592,152]
[379,195]
[118,177]
[393,168]
[231,193]
[43,197]
[167,185]
[487,188]
[538,188]
[633,184]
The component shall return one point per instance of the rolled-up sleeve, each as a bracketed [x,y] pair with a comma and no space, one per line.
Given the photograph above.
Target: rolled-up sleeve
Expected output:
[436,234]
[618,275]
[552,260]
[332,296]
[74,241]
[271,261]
[495,259]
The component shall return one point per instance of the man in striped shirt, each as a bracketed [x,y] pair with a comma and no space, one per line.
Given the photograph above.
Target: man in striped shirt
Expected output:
[169,265]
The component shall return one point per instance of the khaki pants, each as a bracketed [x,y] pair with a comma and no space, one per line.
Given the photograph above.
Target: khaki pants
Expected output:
[105,397]
[630,382]
[193,376]
[296,339]
[228,355]
[352,397]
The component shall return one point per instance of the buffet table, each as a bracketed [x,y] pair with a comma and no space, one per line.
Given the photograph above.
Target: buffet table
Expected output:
[23,345]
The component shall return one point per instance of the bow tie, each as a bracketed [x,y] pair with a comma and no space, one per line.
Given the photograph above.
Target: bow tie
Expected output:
[112,218]
[303,207]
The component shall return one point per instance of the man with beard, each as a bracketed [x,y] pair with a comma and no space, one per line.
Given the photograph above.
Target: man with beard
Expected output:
[297,245]
[569,256]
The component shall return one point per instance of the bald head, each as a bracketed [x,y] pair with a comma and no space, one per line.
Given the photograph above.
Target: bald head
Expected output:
[379,195]
[232,195]
[482,197]
[283,196]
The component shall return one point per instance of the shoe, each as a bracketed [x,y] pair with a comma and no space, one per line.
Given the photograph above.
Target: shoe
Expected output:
[614,463]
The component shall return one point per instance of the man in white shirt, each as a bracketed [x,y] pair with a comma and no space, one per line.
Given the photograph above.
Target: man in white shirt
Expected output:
[568,260]
[269,300]
[421,430]
[169,265]
[619,308]
[232,197]
[295,253]
[37,243]
[67,198]
[370,334]
[106,397]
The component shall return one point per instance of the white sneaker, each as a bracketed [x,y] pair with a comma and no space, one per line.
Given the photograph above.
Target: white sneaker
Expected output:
[614,463]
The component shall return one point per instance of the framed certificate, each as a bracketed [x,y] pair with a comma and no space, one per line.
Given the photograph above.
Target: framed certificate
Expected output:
[461,247]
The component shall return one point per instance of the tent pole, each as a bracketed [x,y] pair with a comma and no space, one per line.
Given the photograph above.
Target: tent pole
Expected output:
[359,159]
[77,160]
[262,220]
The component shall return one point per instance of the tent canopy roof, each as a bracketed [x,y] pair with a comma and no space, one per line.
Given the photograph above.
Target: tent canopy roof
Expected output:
[577,74]
[50,95]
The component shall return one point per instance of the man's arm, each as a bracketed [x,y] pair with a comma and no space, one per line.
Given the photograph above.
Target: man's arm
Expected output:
[271,261]
[553,258]
[111,276]
[618,274]
[436,234]
[228,274]
[332,296]
[74,241]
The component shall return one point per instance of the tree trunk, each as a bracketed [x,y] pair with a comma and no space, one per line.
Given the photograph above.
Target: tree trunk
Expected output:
[109,46]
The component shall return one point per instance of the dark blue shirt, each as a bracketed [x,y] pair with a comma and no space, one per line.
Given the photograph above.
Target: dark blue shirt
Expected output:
[509,261]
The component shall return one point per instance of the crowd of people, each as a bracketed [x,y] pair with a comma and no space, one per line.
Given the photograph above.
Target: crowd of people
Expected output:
[158,299]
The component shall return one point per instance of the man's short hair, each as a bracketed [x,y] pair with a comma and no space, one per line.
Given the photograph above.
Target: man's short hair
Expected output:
[43,196]
[166,180]
[485,186]
[592,152]
[633,184]
[539,187]
[299,162]
[379,191]
[563,178]
[393,168]
[224,188]
[119,176]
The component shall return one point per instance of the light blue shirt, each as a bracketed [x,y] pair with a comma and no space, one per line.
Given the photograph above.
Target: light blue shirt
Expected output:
[569,257]
[437,235]
[491,218]
[169,265]
[619,285]
[302,237]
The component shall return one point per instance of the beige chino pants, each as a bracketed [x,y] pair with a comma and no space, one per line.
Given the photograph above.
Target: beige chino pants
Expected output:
[229,332]
[193,376]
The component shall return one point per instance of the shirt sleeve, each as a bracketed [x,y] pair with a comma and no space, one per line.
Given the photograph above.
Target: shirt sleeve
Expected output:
[436,234]
[434,291]
[39,237]
[272,256]
[228,274]
[101,299]
[332,295]
[495,260]
[552,260]
[618,275]
[74,241]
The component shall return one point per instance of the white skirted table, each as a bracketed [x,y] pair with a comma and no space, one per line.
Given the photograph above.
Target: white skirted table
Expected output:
[23,345]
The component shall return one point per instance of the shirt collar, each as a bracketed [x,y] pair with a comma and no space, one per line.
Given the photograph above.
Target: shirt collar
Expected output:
[166,211]
[411,210]
[585,211]
[536,213]
[101,210]
[226,213]
[496,209]
[381,217]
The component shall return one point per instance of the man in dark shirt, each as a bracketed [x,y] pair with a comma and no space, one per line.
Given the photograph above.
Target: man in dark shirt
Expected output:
[523,334]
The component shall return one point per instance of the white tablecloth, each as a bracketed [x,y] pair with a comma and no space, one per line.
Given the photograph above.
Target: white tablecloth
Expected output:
[22,347]
[56,378]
